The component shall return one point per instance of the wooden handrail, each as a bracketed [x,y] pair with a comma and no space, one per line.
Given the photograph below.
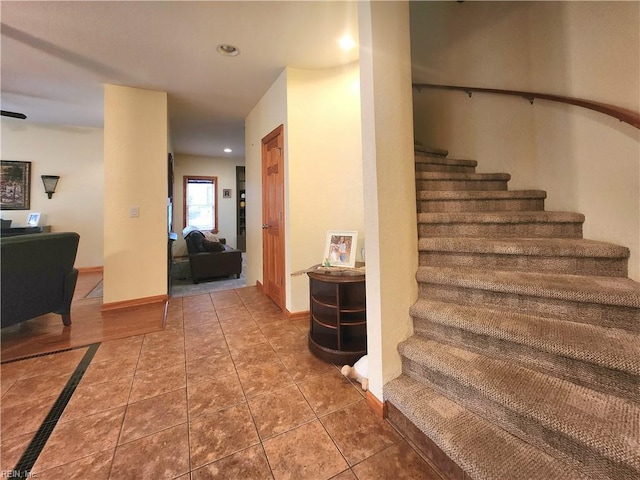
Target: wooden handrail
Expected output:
[622,114]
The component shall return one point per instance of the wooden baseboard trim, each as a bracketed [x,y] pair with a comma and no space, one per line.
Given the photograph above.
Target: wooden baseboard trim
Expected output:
[378,407]
[136,302]
[297,315]
[91,270]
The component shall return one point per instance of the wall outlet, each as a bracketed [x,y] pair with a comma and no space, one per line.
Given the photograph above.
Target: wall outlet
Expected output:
[134,212]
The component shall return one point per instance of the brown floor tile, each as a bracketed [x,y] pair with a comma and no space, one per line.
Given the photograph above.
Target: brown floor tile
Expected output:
[153,415]
[249,464]
[226,294]
[60,363]
[303,366]
[214,395]
[280,411]
[43,385]
[90,398]
[349,426]
[25,417]
[263,378]
[281,328]
[165,400]
[161,357]
[346,475]
[245,337]
[79,438]
[302,324]
[399,461]
[63,362]
[193,332]
[166,339]
[162,455]
[238,326]
[220,434]
[207,346]
[205,369]
[197,315]
[328,393]
[247,356]
[118,349]
[12,449]
[304,452]
[291,342]
[235,313]
[221,303]
[99,372]
[152,383]
[95,467]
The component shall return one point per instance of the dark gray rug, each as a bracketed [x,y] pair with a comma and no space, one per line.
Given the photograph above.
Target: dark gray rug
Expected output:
[182,284]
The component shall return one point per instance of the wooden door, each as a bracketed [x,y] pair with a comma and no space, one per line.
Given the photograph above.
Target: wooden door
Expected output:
[273,216]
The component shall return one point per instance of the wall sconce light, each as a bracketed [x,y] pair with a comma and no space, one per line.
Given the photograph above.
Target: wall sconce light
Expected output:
[50,182]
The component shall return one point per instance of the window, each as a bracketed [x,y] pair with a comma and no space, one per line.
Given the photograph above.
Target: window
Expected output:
[201,202]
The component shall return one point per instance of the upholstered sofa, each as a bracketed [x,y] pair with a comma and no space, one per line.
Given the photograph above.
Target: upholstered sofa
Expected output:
[208,260]
[38,276]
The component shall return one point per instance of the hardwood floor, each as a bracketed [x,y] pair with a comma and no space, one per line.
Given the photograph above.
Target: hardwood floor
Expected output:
[89,325]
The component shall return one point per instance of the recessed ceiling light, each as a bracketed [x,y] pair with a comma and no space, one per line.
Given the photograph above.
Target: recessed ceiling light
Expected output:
[227,150]
[227,50]
[347,43]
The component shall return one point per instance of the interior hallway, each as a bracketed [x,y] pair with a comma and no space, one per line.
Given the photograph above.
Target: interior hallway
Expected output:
[226,389]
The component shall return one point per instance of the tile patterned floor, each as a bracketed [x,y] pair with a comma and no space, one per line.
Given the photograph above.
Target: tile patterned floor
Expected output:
[227,390]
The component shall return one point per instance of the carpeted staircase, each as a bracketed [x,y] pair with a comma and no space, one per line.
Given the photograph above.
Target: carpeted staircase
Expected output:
[525,358]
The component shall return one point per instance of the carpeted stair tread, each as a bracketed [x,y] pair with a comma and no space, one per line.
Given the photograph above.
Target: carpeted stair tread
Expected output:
[607,347]
[426,150]
[575,288]
[570,247]
[479,194]
[437,160]
[523,399]
[499,217]
[482,449]
[462,176]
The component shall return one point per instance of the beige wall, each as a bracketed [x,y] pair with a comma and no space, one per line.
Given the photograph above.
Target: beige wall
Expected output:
[586,162]
[320,112]
[389,184]
[225,170]
[267,115]
[135,160]
[325,185]
[76,155]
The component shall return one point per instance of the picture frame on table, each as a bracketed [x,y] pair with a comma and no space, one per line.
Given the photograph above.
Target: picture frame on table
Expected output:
[15,185]
[33,219]
[341,248]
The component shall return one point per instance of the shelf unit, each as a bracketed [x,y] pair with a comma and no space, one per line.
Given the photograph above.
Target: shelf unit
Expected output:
[241,202]
[338,318]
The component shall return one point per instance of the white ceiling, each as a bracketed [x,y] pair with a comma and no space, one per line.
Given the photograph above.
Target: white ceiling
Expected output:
[56,57]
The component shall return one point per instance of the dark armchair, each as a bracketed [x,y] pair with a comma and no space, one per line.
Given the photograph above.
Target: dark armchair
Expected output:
[208,260]
[38,276]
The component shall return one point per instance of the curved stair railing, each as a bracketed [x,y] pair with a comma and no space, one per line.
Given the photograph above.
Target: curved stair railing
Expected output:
[622,114]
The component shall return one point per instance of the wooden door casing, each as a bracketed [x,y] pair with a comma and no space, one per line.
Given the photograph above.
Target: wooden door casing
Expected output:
[273,216]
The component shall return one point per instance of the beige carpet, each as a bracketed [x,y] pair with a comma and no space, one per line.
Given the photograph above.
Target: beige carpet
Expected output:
[525,358]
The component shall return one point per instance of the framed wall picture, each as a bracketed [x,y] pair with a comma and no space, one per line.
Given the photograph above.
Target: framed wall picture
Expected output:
[15,185]
[340,249]
[226,193]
